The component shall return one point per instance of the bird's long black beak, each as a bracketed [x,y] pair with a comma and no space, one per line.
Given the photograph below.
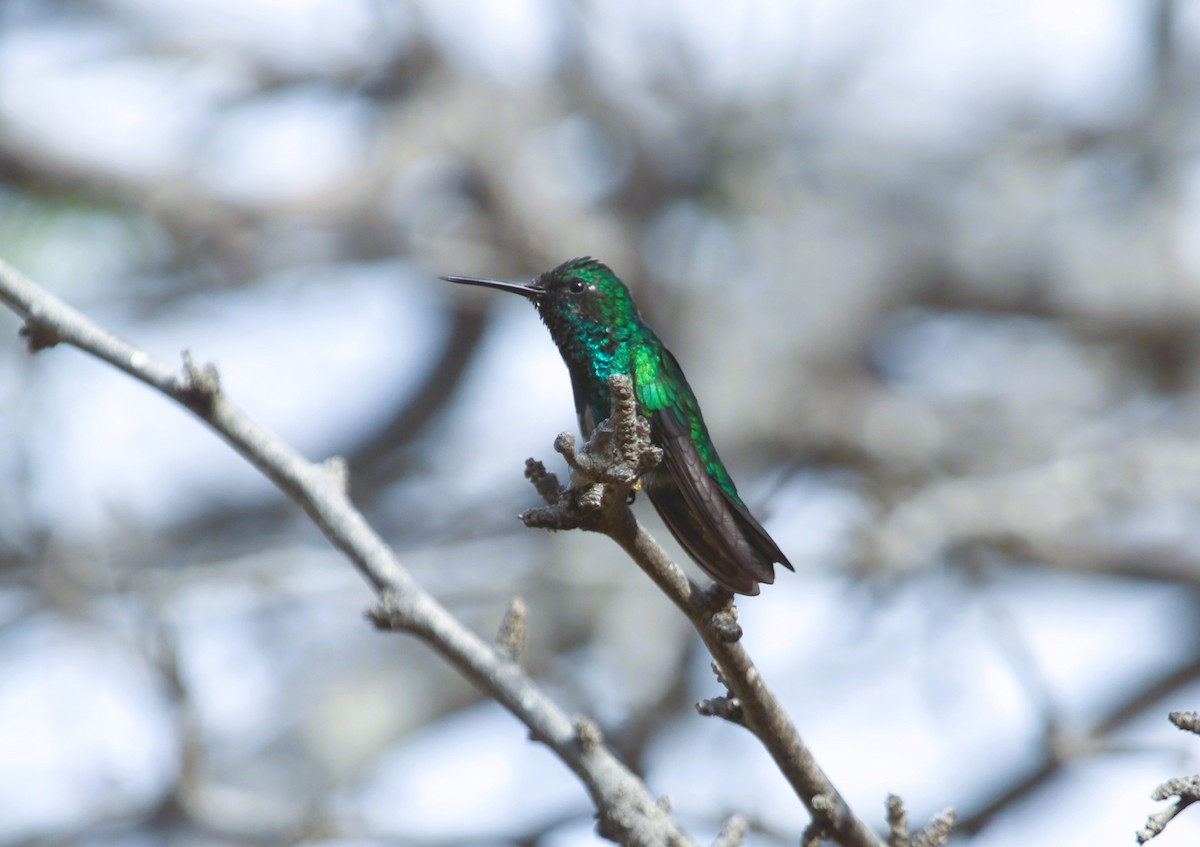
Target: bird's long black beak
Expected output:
[525,289]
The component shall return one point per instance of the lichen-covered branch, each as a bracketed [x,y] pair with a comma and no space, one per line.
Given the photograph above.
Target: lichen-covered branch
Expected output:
[627,813]
[1186,789]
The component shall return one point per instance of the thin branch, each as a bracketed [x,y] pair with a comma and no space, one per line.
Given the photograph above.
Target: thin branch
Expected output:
[628,814]
[604,474]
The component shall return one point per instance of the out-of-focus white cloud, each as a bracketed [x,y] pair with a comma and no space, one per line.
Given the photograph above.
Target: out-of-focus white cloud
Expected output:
[477,759]
[77,92]
[312,36]
[311,355]
[280,148]
[85,731]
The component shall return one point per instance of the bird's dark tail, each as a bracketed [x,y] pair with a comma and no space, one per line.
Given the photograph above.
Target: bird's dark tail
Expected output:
[715,528]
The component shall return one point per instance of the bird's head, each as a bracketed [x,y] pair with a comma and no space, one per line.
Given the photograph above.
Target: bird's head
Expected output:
[581,300]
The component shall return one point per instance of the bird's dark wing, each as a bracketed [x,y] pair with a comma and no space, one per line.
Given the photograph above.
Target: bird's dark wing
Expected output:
[692,493]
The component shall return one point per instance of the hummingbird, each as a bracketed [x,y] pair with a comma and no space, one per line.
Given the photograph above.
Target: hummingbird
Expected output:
[599,332]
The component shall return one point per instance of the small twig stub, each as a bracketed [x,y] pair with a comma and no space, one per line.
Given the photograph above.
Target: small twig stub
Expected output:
[38,334]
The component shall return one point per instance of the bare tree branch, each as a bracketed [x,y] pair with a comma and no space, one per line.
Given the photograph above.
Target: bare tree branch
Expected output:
[604,474]
[628,814]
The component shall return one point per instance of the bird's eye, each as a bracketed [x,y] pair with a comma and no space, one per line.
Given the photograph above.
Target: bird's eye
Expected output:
[577,286]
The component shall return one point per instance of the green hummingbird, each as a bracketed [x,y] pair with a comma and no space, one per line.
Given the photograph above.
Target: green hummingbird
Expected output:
[599,332]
